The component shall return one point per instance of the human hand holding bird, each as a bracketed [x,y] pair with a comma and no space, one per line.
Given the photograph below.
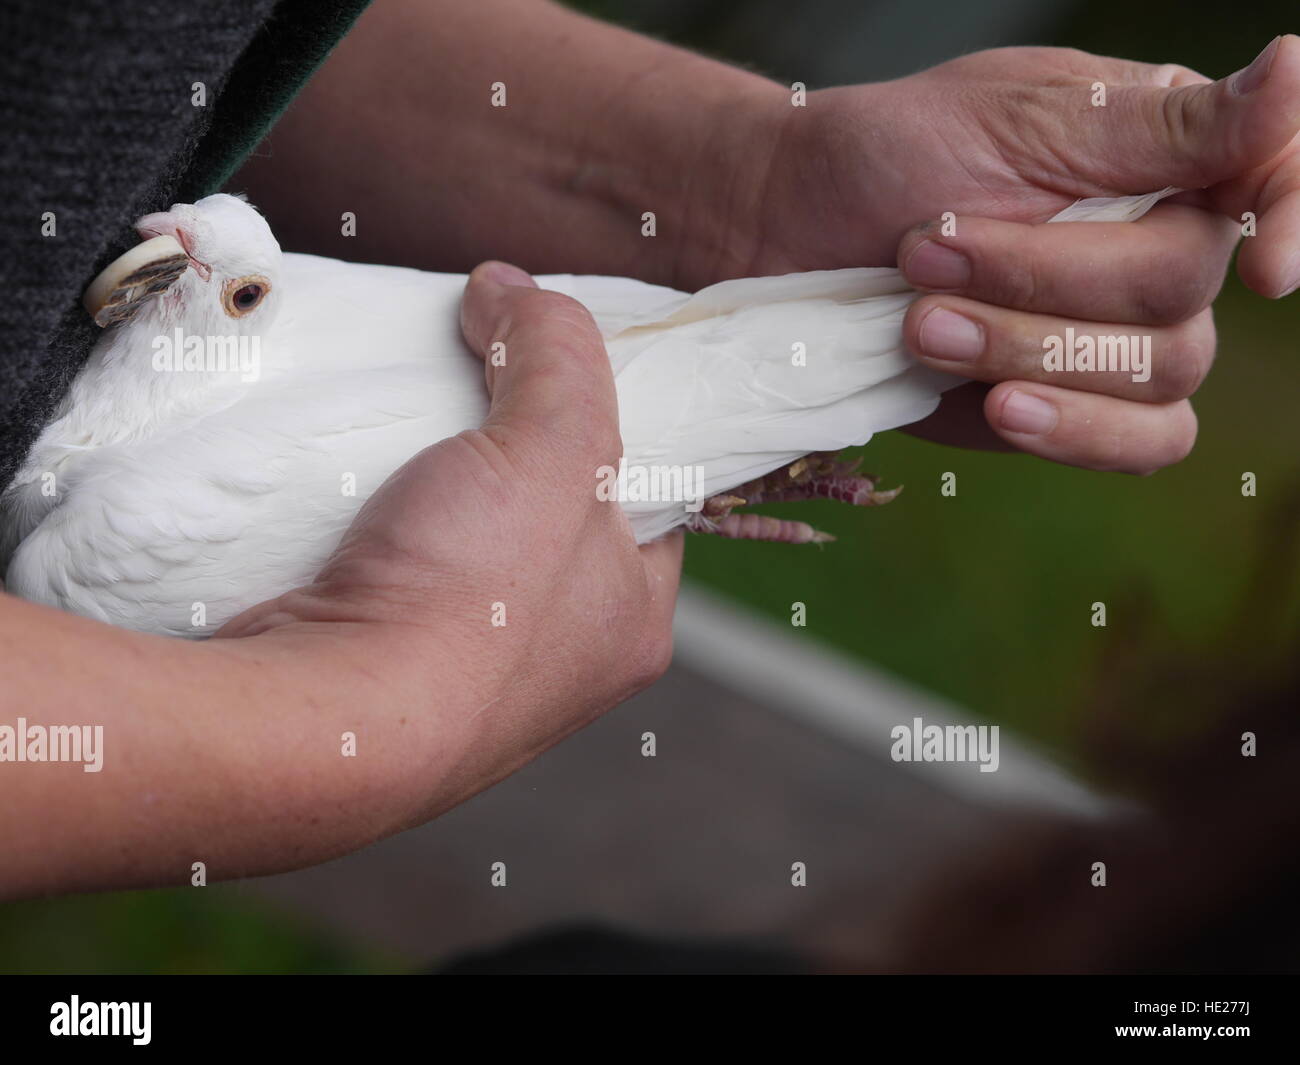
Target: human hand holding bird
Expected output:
[1002,139]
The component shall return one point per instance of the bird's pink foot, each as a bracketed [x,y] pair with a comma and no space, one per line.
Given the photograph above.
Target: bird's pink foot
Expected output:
[817,476]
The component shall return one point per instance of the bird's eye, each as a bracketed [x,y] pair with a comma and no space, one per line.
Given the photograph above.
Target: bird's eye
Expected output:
[243,295]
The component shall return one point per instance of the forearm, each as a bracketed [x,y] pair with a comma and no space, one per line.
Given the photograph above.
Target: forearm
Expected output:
[230,752]
[600,126]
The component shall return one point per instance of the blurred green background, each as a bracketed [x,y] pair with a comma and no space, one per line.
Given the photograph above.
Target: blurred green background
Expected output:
[984,598]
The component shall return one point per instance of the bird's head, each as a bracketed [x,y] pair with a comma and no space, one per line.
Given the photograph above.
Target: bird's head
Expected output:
[231,285]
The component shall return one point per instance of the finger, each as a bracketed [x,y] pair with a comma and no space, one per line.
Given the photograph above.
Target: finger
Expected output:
[959,421]
[1163,268]
[1096,432]
[1192,135]
[548,372]
[1269,260]
[481,315]
[988,343]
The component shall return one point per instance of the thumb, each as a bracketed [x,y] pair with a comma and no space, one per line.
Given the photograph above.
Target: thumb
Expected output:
[1194,135]
[548,373]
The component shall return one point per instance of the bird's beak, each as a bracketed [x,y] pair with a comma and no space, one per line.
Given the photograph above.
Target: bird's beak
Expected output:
[149,269]
[166,223]
[133,278]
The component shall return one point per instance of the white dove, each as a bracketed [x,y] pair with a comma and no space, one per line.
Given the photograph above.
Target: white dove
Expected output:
[170,480]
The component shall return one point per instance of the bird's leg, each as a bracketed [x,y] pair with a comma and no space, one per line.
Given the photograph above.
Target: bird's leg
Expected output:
[817,476]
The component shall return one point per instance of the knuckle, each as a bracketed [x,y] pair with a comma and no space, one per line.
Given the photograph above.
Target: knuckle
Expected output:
[912,238]
[1181,120]
[537,316]
[1071,58]
[557,313]
[1201,338]
[1176,376]
[1166,296]
[1015,283]
[1186,361]
[1175,74]
[1178,441]
[483,455]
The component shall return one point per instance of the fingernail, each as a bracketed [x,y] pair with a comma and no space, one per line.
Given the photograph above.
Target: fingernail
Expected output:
[1023,413]
[934,265]
[1253,76]
[946,335]
[505,274]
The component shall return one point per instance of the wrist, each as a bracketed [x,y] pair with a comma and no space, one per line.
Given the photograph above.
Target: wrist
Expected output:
[808,198]
[385,677]
[687,139]
[727,218]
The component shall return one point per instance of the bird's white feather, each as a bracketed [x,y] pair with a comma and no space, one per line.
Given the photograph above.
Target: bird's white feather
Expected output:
[178,492]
